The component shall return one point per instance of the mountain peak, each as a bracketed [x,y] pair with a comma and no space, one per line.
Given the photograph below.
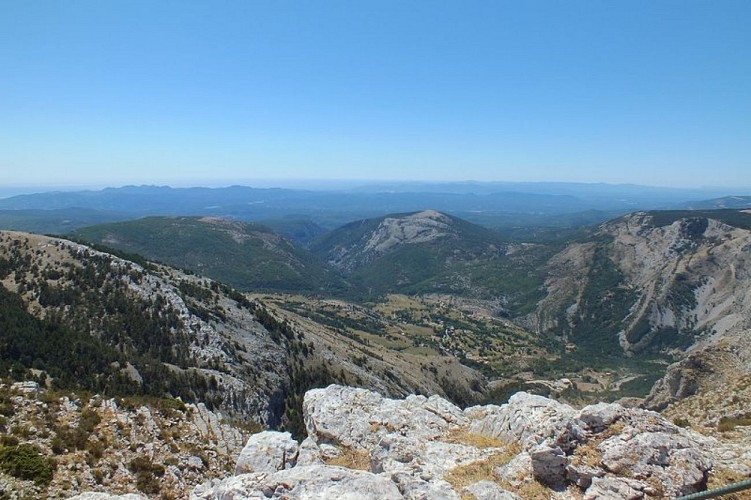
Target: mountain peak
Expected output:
[420,227]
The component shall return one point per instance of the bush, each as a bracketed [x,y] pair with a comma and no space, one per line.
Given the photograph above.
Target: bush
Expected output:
[68,438]
[146,474]
[89,420]
[26,462]
[727,424]
[681,422]
[8,440]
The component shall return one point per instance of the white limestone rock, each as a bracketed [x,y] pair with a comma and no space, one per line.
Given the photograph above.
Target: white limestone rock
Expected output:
[358,418]
[309,453]
[526,418]
[604,450]
[268,451]
[517,471]
[308,481]
[631,443]
[488,490]
[94,495]
[614,488]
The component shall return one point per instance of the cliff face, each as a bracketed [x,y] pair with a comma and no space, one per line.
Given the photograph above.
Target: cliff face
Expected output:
[647,284]
[361,444]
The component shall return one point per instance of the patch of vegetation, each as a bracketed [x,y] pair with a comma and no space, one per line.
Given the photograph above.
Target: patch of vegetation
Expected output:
[727,424]
[352,458]
[605,301]
[93,328]
[481,470]
[640,386]
[471,439]
[302,379]
[681,422]
[26,461]
[244,255]
[147,474]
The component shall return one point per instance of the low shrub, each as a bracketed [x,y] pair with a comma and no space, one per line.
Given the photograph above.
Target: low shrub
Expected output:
[681,422]
[146,473]
[25,461]
[727,424]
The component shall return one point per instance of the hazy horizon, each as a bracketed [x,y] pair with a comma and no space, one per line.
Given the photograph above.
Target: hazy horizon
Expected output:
[7,191]
[186,93]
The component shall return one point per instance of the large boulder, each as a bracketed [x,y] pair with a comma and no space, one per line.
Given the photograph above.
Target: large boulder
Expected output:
[526,419]
[358,418]
[606,441]
[305,481]
[267,451]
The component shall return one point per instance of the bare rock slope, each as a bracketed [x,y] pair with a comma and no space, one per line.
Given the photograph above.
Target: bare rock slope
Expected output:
[362,445]
[652,282]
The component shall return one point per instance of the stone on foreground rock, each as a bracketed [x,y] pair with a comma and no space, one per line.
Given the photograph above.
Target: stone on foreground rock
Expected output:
[410,448]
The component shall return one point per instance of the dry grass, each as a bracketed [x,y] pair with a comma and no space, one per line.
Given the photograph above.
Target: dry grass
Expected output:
[352,459]
[588,454]
[471,439]
[532,489]
[724,477]
[465,475]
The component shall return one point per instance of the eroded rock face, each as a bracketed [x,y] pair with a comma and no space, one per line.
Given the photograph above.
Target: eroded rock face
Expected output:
[412,447]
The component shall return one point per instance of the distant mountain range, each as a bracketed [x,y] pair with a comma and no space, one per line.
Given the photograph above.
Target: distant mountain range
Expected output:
[724,202]
[489,204]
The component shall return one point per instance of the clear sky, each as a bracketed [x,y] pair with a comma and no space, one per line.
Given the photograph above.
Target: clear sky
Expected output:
[183,92]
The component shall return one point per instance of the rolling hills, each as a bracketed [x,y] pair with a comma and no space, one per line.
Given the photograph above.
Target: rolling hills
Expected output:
[477,317]
[432,252]
[244,255]
[132,329]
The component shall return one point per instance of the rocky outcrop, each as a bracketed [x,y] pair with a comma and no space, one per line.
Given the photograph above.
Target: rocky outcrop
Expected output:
[361,444]
[103,447]
[387,234]
[663,281]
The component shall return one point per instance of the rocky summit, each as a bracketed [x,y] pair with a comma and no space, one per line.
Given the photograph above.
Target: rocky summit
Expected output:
[362,445]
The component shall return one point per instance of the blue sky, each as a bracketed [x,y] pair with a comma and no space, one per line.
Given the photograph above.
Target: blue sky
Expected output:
[181,92]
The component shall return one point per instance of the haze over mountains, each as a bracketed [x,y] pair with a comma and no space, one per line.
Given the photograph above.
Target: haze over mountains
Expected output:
[489,204]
